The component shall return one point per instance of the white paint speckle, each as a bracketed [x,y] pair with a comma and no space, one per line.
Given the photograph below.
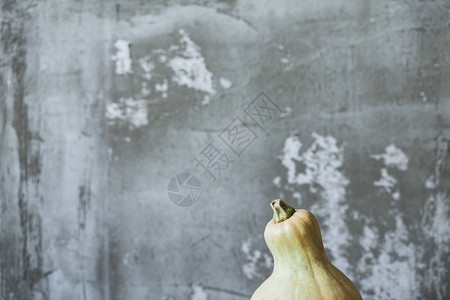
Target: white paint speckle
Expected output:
[198,293]
[145,90]
[290,156]
[130,259]
[287,112]
[369,238]
[434,178]
[431,183]
[386,181]
[268,261]
[122,57]
[147,66]
[206,100]
[297,196]
[277,181]
[225,83]
[128,110]
[162,88]
[396,195]
[393,157]
[286,61]
[424,96]
[163,58]
[189,66]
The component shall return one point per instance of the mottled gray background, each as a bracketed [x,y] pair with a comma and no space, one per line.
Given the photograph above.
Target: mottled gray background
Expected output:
[102,102]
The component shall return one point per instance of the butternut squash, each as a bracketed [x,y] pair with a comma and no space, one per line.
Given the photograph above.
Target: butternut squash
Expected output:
[302,270]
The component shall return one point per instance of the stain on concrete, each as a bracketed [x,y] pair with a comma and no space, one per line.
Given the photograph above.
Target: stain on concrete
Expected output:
[26,263]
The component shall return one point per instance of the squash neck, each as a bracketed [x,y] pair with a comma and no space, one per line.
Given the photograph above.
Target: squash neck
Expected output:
[298,262]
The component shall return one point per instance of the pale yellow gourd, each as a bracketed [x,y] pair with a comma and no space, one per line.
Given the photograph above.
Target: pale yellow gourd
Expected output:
[301,270]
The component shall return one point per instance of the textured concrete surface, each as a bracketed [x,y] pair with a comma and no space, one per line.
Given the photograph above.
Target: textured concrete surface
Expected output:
[103,102]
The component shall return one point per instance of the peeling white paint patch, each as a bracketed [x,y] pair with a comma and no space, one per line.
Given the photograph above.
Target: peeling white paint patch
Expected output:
[436,221]
[181,64]
[147,66]
[323,160]
[128,110]
[162,88]
[436,226]
[393,266]
[189,66]
[122,57]
[388,264]
[225,83]
[393,157]
[434,179]
[290,156]
[198,293]
[386,181]
[257,261]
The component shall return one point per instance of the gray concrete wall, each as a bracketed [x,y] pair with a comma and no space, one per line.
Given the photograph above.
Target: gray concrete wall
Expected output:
[103,102]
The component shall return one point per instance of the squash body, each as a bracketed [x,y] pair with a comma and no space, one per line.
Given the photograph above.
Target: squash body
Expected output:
[302,270]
